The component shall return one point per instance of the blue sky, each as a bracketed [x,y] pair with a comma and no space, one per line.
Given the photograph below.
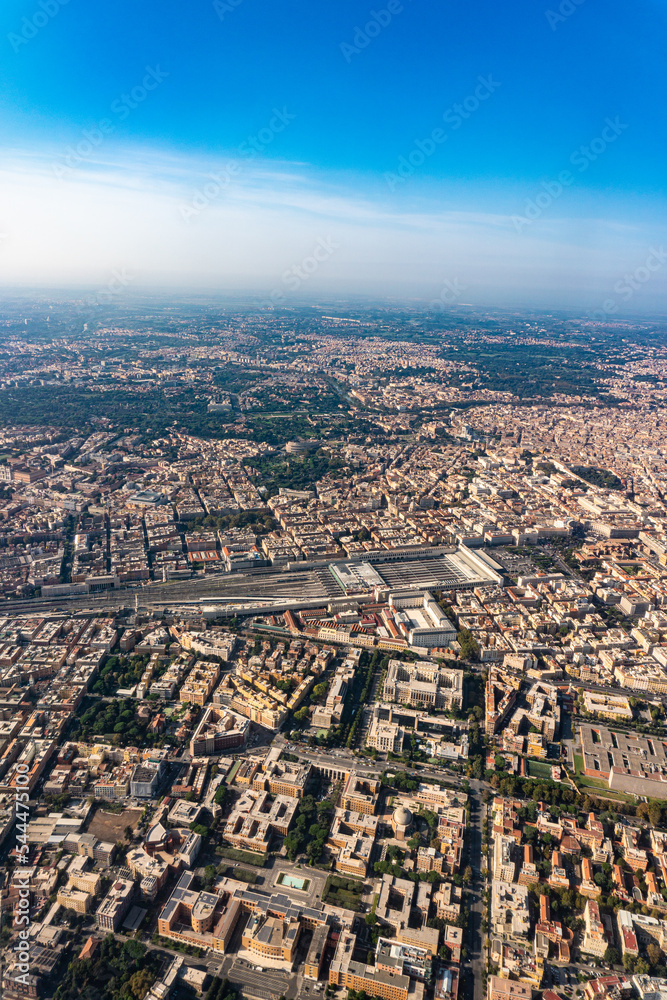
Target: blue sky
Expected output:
[334,112]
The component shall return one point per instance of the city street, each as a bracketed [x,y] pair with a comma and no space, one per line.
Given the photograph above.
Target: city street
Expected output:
[473,985]
[347,760]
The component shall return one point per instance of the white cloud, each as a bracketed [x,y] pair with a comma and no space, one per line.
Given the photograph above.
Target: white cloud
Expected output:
[124,209]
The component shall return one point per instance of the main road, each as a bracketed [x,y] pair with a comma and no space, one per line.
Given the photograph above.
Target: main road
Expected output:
[474,990]
[353,762]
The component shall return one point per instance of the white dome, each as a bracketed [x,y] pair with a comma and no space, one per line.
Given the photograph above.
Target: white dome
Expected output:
[402,816]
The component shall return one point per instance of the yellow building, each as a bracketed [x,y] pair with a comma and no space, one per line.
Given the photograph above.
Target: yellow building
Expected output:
[280,777]
[344,971]
[272,936]
[361,794]
[74,899]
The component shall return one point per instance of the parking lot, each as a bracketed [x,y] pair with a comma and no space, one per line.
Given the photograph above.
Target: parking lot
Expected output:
[259,982]
[566,979]
[513,564]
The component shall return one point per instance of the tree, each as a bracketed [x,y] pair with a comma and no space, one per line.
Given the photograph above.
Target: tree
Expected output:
[654,953]
[128,832]
[209,876]
[134,949]
[629,963]
[469,645]
[140,983]
[467,875]
[611,956]
[654,813]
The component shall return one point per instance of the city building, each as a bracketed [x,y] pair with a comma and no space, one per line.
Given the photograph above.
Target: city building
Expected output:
[352,975]
[423,684]
[281,777]
[360,794]
[114,906]
[219,730]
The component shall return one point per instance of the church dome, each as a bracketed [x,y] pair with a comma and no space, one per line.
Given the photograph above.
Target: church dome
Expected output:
[402,816]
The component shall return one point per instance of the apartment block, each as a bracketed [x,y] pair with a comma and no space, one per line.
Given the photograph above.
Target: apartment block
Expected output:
[74,899]
[361,794]
[281,777]
[352,975]
[595,939]
[199,684]
[219,730]
[115,905]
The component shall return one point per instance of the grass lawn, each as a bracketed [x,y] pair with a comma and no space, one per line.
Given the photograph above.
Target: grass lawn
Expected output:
[245,857]
[242,874]
[342,892]
[539,769]
[593,783]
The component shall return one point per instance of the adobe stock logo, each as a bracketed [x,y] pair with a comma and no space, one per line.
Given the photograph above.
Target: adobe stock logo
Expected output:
[31,26]
[629,284]
[103,296]
[450,293]
[294,277]
[453,117]
[218,183]
[222,7]
[582,157]
[92,138]
[565,10]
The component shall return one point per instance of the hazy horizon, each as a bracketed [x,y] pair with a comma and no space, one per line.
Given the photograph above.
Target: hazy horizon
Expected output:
[404,151]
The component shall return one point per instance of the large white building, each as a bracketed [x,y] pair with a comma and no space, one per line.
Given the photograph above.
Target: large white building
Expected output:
[504,866]
[419,617]
[115,904]
[510,909]
[145,779]
[423,684]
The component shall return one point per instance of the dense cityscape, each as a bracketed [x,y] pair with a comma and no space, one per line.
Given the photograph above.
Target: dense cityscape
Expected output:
[333,652]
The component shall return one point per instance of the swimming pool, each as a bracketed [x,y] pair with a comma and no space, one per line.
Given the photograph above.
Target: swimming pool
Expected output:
[293,882]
